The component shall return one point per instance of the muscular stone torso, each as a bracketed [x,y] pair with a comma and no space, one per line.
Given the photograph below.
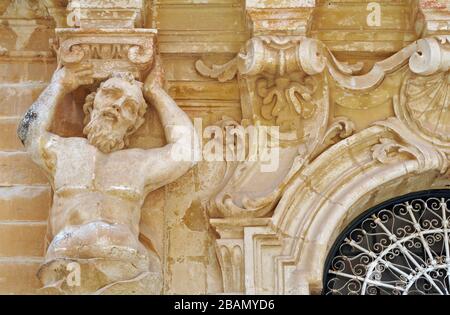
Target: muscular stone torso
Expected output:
[92,186]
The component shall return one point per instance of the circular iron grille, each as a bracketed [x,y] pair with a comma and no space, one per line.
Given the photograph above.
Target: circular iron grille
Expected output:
[398,247]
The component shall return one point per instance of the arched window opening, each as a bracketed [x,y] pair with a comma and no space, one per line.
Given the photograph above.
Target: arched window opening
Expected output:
[400,247]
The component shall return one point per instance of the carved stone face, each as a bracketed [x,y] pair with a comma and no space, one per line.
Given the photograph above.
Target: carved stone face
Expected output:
[117,112]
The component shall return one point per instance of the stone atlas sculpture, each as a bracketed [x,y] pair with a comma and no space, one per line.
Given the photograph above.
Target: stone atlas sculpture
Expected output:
[100,185]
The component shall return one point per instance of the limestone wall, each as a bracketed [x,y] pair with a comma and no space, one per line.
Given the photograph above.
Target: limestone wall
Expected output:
[175,219]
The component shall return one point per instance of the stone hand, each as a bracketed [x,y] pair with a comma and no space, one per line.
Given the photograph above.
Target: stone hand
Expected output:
[155,79]
[70,78]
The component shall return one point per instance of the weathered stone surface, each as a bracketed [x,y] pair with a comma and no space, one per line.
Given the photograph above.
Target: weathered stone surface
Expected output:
[19,276]
[194,278]
[22,238]
[16,168]
[8,128]
[24,71]
[99,184]
[16,98]
[362,105]
[25,203]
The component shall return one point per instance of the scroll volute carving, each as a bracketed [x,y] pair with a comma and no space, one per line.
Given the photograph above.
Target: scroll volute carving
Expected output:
[422,122]
[282,76]
[122,50]
[283,84]
[424,101]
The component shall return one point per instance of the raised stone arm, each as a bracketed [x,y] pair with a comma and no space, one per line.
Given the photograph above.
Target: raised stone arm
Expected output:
[183,147]
[33,128]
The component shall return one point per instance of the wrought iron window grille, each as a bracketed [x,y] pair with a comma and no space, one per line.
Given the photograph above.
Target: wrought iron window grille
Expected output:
[400,247]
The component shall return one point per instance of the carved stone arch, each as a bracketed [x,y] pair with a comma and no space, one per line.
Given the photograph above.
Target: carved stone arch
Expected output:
[340,184]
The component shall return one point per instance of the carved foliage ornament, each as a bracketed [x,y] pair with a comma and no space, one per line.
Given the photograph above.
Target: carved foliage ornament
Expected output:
[284,85]
[422,119]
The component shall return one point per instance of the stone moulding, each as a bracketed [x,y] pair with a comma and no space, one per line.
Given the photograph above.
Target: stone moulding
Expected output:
[424,57]
[129,50]
[315,196]
[433,18]
[96,14]
[314,208]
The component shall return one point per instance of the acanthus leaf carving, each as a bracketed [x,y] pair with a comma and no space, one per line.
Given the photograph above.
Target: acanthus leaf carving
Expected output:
[283,77]
[223,73]
[340,128]
[427,155]
[385,152]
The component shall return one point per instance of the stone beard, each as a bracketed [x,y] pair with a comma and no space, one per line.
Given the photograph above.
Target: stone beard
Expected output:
[100,114]
[100,186]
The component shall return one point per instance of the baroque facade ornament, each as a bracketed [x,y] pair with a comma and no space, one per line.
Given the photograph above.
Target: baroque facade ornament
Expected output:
[422,106]
[94,221]
[280,78]
[284,85]
[319,112]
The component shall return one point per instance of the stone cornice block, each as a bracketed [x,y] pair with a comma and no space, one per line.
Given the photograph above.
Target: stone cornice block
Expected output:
[124,50]
[279,17]
[434,17]
[107,14]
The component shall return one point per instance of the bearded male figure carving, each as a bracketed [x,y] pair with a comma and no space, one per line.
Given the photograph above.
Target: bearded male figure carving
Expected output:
[99,187]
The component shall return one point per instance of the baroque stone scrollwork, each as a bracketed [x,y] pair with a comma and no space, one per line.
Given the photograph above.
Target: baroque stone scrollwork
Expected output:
[283,83]
[125,50]
[422,107]
[423,103]
[411,144]
[423,152]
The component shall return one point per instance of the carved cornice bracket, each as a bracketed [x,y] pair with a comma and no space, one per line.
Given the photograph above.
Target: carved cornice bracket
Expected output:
[130,50]
[280,55]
